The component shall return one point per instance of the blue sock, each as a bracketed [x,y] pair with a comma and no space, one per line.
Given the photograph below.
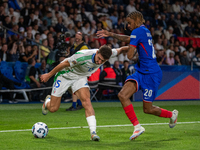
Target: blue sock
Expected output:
[74,104]
[79,102]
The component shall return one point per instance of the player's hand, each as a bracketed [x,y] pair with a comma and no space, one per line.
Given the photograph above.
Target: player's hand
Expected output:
[44,78]
[103,33]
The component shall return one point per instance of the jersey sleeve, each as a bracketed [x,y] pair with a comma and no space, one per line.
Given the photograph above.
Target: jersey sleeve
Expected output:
[72,60]
[135,38]
[114,53]
[79,57]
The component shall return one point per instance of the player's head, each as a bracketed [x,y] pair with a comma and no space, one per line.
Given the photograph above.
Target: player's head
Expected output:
[134,20]
[103,54]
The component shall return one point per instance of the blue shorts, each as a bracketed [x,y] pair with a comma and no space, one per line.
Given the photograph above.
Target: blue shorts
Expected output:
[148,83]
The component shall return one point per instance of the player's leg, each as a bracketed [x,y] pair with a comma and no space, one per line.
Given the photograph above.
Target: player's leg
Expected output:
[126,92]
[124,95]
[52,102]
[149,94]
[130,87]
[84,95]
[148,108]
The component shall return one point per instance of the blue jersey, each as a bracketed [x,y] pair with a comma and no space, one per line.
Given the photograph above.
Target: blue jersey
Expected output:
[141,39]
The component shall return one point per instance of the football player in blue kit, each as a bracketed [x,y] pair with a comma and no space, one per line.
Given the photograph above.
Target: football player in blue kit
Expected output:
[148,74]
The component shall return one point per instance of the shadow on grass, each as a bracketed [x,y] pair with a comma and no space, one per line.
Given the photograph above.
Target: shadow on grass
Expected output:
[87,144]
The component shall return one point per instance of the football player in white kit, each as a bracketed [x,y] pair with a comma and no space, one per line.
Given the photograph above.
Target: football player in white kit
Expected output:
[72,74]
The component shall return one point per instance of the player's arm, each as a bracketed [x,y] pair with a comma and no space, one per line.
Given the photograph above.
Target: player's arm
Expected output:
[131,52]
[105,33]
[45,77]
[123,49]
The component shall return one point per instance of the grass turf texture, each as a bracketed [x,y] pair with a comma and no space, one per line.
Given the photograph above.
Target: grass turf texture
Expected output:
[184,136]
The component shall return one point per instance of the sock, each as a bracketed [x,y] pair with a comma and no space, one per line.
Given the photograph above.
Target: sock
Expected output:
[74,104]
[48,100]
[165,113]
[91,120]
[79,102]
[137,126]
[129,110]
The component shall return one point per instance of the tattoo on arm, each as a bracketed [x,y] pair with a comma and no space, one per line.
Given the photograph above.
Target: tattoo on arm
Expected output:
[123,38]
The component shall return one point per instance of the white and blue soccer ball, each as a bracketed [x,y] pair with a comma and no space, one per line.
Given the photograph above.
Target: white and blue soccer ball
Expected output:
[40,130]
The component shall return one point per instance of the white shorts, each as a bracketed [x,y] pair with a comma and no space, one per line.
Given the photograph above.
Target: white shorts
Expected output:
[61,85]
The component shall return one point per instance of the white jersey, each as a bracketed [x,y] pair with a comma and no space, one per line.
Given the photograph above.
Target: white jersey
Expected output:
[81,64]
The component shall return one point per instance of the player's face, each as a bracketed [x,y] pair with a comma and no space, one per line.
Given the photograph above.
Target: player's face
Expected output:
[99,59]
[131,23]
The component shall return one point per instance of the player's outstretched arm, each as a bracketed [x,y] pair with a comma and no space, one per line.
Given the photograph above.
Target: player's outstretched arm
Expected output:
[45,77]
[105,33]
[123,49]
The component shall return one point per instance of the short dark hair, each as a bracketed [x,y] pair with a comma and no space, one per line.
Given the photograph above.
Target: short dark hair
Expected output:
[105,51]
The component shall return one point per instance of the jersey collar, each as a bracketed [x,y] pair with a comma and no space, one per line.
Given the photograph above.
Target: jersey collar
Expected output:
[93,56]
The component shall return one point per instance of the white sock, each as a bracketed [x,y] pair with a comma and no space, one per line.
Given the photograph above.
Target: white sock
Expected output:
[137,126]
[91,120]
[48,100]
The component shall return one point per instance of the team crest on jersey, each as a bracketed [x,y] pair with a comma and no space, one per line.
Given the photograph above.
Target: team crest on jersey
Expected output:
[133,36]
[74,62]
[54,91]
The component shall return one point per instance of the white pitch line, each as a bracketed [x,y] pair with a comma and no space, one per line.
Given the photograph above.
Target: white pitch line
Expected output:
[103,126]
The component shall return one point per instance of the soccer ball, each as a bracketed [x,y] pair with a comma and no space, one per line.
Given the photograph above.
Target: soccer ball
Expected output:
[40,130]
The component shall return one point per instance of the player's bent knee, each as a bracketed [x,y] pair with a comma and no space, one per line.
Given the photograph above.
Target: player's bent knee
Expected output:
[121,96]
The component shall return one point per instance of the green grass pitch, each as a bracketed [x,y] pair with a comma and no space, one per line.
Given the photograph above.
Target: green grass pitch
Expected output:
[68,130]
